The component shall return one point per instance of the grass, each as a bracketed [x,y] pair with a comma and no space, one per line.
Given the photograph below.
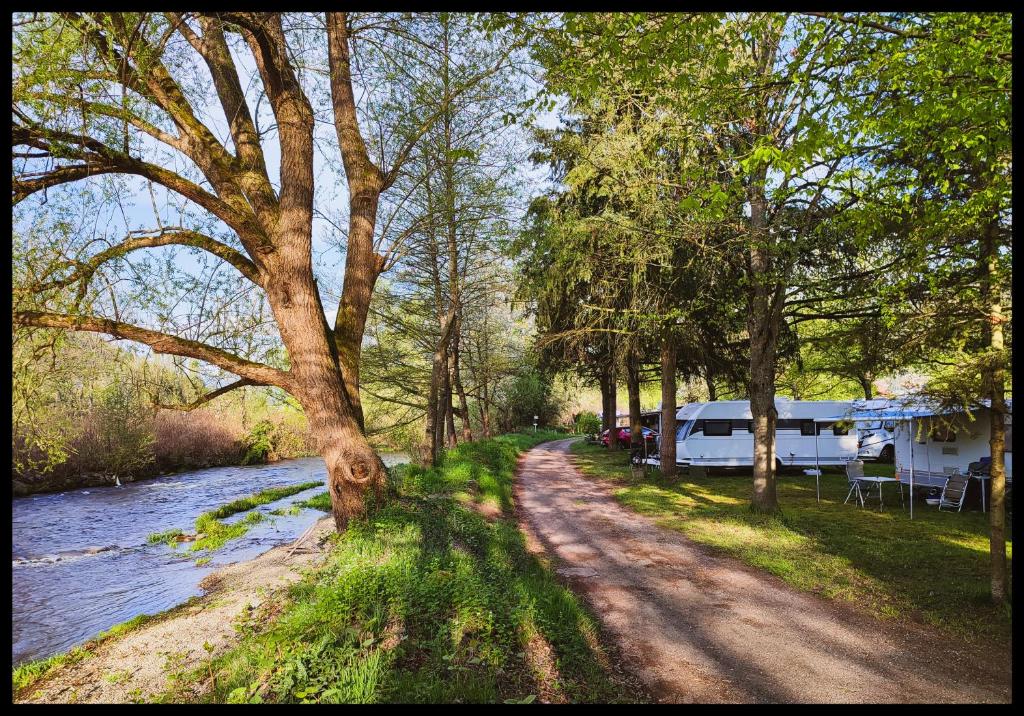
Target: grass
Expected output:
[168,537]
[25,675]
[428,600]
[289,511]
[933,569]
[216,533]
[262,497]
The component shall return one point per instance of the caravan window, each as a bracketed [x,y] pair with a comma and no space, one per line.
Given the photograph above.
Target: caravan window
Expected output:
[807,427]
[943,434]
[840,428]
[717,428]
[683,430]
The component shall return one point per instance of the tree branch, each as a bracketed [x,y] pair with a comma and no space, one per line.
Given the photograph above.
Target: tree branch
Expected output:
[181,237]
[161,343]
[203,400]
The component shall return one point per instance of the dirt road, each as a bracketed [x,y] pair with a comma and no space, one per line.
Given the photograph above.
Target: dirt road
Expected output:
[696,627]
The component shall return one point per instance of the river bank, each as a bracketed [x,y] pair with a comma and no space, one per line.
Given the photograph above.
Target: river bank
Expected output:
[82,560]
[23,486]
[46,484]
[140,662]
[436,598]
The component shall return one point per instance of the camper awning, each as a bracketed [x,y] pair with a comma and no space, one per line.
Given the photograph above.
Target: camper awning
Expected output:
[902,410]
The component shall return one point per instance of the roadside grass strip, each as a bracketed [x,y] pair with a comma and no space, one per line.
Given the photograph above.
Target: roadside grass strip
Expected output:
[933,569]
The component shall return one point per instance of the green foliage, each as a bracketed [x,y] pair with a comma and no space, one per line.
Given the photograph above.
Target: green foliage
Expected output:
[124,430]
[529,393]
[933,568]
[428,601]
[588,423]
[168,537]
[216,533]
[272,494]
[259,443]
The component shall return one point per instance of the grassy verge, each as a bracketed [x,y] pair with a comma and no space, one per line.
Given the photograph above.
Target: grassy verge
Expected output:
[431,599]
[216,533]
[932,569]
[24,676]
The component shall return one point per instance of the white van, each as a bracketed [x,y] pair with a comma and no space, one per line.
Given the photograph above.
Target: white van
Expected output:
[808,433]
[876,438]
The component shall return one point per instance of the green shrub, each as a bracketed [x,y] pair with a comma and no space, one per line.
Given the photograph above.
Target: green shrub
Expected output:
[588,423]
[259,443]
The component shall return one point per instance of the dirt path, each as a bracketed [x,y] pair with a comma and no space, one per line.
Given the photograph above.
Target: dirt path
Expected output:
[141,664]
[696,627]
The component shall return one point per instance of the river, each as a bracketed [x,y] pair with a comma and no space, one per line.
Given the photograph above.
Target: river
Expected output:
[81,563]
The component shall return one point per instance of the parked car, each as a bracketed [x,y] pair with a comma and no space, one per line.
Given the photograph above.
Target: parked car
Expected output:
[624,436]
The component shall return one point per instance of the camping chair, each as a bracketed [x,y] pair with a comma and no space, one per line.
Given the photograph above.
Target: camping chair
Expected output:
[954,491]
[855,471]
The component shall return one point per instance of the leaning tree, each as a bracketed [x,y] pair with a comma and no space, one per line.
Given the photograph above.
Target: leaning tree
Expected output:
[198,109]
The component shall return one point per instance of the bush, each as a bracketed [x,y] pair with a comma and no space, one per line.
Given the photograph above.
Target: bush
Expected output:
[200,438]
[588,423]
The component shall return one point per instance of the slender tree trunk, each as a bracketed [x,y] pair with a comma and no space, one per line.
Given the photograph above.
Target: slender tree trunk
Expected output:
[604,380]
[668,402]
[994,377]
[460,391]
[613,433]
[865,385]
[449,416]
[433,401]
[636,435]
[485,409]
[451,440]
[709,378]
[762,325]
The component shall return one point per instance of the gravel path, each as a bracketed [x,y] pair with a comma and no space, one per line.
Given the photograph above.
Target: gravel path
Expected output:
[695,627]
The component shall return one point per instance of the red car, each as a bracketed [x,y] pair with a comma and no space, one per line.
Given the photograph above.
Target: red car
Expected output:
[649,435]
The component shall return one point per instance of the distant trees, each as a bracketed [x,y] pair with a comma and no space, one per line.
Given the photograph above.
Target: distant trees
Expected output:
[85,410]
[443,305]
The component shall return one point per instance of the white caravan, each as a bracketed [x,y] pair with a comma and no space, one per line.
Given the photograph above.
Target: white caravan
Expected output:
[875,438]
[935,445]
[808,433]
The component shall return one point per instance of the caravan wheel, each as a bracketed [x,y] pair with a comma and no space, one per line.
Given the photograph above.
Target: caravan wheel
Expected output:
[887,454]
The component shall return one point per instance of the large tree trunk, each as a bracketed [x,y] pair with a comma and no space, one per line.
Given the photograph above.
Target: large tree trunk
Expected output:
[365,184]
[667,454]
[763,327]
[636,435]
[994,376]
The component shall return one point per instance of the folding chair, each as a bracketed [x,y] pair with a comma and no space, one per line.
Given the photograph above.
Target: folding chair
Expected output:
[855,471]
[954,491]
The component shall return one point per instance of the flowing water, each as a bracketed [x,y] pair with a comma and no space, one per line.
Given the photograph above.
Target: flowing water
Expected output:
[81,563]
